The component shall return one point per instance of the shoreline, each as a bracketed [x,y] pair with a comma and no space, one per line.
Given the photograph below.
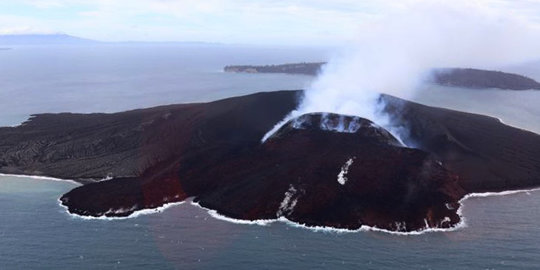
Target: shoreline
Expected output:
[38,177]
[214,214]
[135,214]
[266,222]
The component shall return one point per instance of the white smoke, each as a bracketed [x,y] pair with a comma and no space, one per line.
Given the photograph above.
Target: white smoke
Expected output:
[393,54]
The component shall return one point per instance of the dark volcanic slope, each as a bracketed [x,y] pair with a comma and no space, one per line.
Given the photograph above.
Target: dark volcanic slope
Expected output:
[476,78]
[486,154]
[320,177]
[82,146]
[307,174]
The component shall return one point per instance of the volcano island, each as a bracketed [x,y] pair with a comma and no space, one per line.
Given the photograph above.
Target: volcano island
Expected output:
[318,169]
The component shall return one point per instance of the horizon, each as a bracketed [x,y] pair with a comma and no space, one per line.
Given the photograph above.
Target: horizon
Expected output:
[82,38]
[34,38]
[295,22]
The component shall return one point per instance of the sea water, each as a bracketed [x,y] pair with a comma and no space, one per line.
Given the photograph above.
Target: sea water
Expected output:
[119,77]
[500,232]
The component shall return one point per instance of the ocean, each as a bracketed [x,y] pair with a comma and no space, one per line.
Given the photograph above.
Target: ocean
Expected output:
[119,77]
[500,232]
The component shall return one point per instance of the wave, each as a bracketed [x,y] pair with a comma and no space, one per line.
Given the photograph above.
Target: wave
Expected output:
[501,193]
[135,214]
[363,228]
[41,178]
[265,222]
[366,228]
[214,214]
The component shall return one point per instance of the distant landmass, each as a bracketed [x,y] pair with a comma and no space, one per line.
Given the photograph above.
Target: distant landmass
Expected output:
[477,78]
[296,68]
[42,39]
[60,39]
[458,77]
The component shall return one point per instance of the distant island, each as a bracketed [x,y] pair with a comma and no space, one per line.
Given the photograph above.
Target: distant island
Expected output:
[457,77]
[319,169]
[477,78]
[64,39]
[296,68]
[42,39]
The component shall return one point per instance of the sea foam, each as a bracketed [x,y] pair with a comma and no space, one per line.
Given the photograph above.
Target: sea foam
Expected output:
[265,222]
[135,214]
[216,215]
[325,229]
[364,228]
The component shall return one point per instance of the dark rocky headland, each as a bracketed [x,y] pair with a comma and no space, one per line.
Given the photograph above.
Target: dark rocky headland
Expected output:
[456,77]
[319,169]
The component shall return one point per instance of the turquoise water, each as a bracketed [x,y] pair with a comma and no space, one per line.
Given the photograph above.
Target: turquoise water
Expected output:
[36,233]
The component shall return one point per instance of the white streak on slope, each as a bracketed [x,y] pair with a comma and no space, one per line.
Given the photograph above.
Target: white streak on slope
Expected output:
[342,178]
[287,205]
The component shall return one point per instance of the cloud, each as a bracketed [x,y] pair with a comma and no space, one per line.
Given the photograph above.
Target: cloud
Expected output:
[10,24]
[45,4]
[392,55]
[20,30]
[244,21]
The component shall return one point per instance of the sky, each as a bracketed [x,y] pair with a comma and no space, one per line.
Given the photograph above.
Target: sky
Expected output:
[325,22]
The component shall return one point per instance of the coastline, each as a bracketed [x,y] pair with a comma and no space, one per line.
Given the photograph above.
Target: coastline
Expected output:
[38,177]
[265,222]
[135,214]
[324,229]
[214,214]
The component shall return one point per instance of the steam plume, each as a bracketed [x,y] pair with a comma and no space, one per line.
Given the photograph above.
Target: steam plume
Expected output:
[394,54]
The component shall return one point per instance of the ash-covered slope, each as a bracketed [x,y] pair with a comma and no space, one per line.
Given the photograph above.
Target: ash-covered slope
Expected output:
[94,146]
[333,170]
[486,154]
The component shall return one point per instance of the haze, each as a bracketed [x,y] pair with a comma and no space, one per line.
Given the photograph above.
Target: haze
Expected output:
[297,22]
